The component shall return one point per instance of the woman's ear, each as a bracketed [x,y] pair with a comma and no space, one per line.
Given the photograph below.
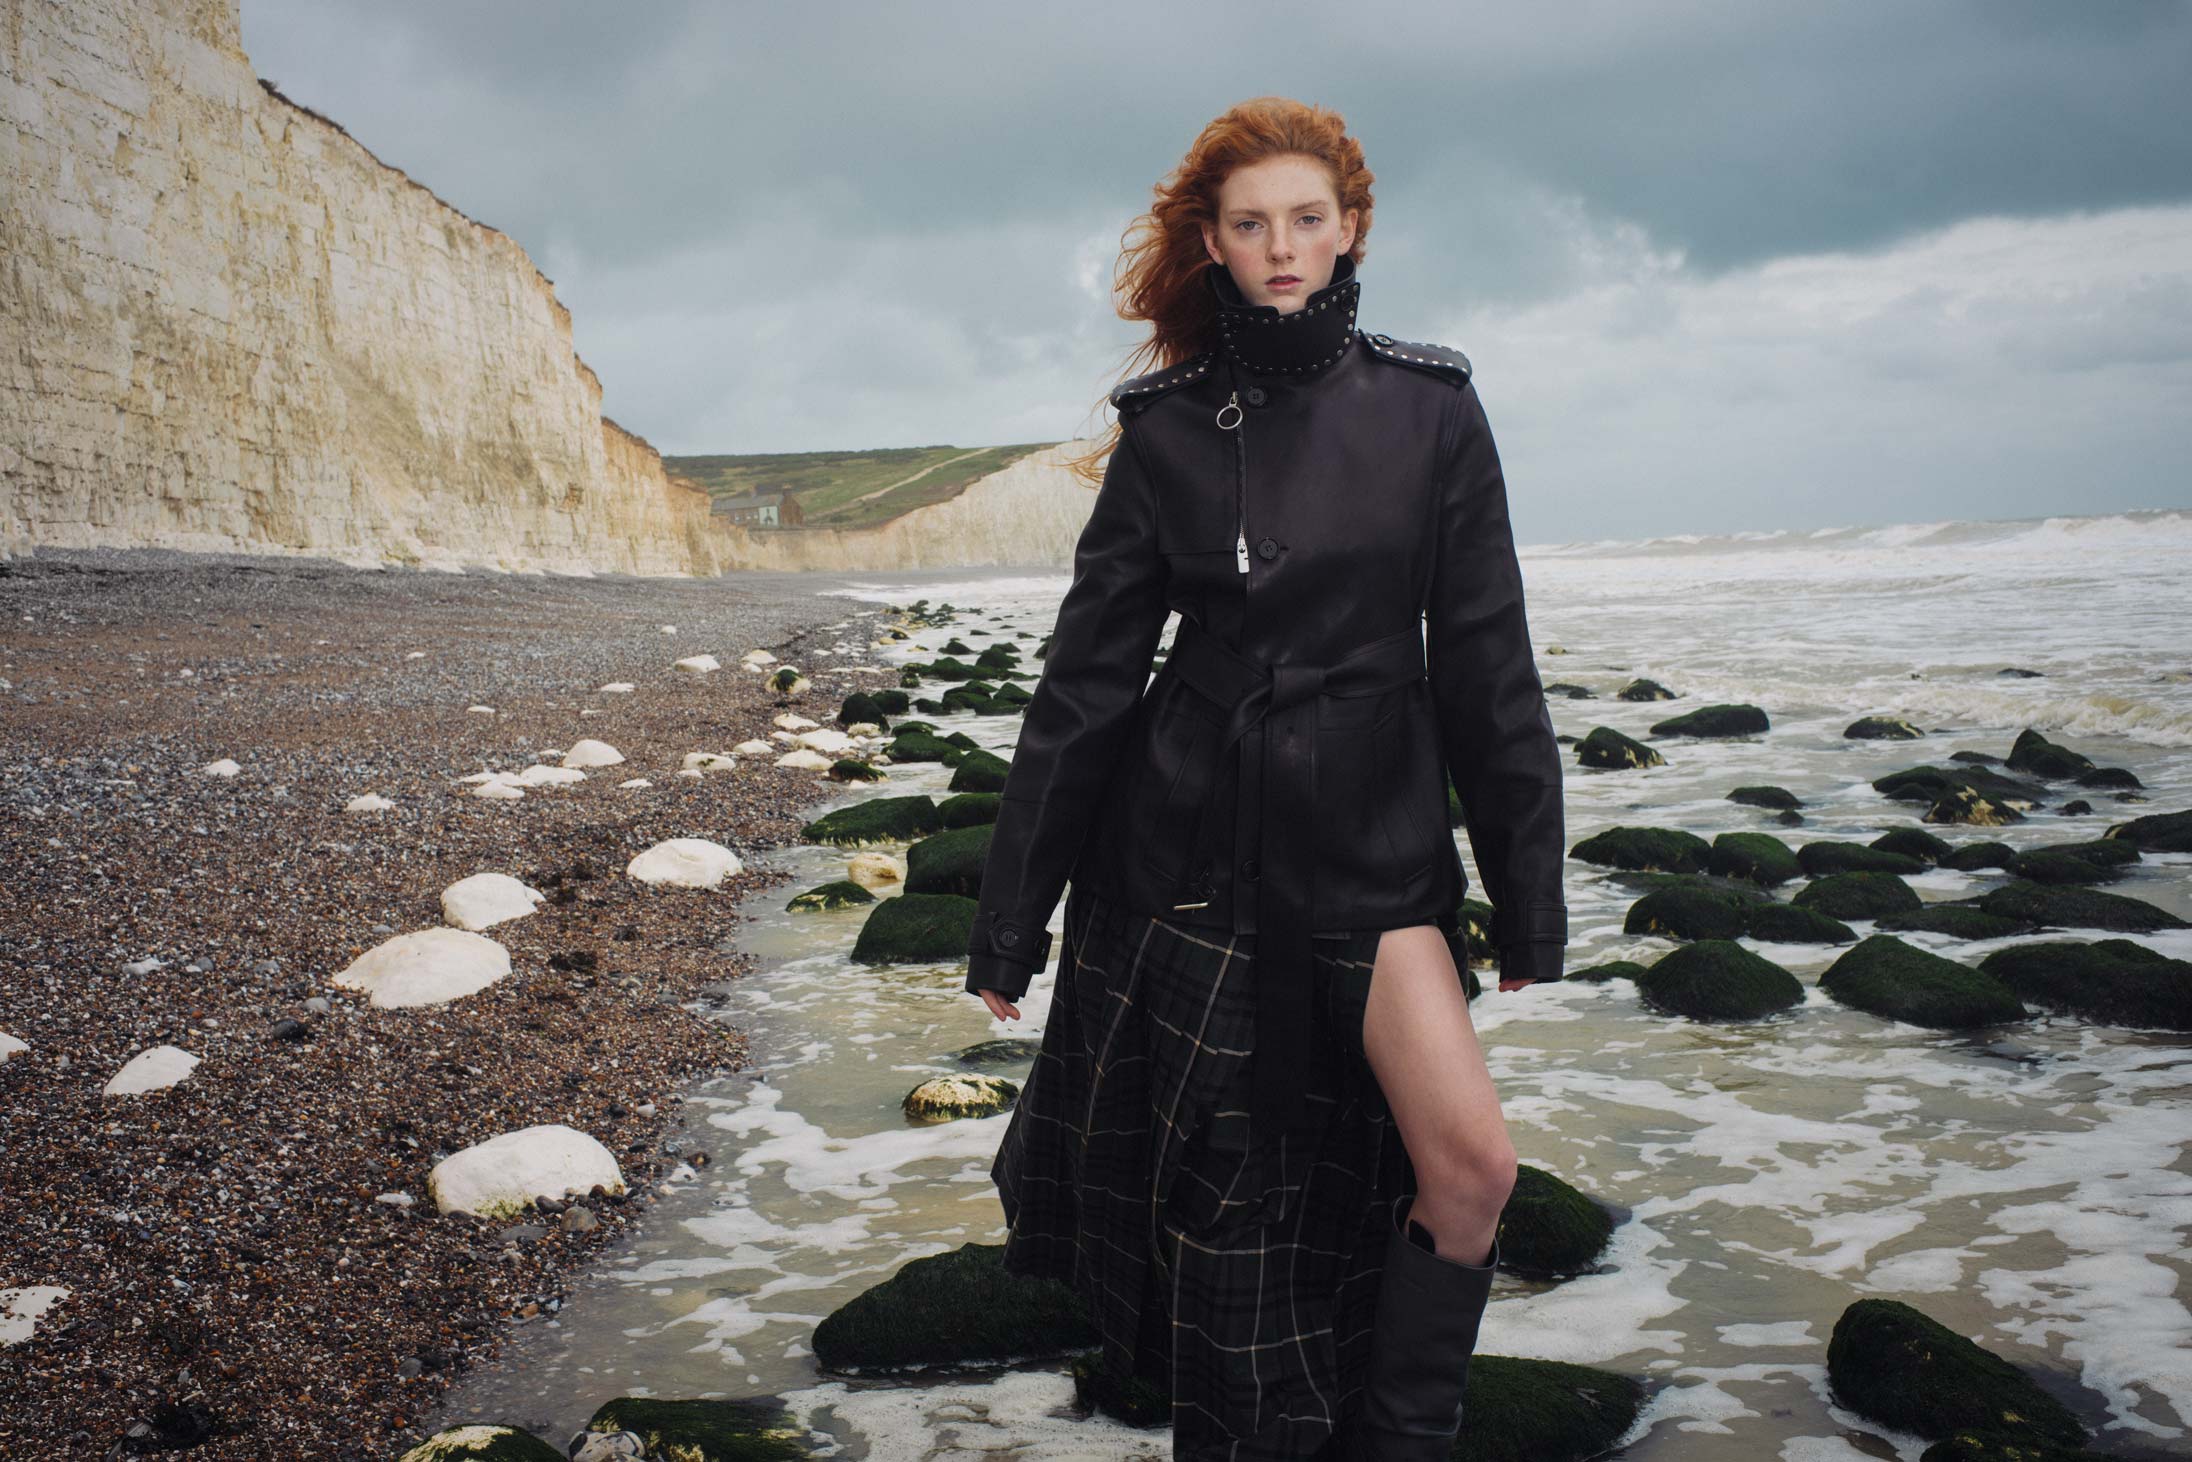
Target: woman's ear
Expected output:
[1210,243]
[1347,235]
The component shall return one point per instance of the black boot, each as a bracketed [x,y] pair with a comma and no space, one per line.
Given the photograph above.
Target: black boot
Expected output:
[1425,1332]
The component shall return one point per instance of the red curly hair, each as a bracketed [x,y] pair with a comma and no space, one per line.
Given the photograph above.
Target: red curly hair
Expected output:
[1159,276]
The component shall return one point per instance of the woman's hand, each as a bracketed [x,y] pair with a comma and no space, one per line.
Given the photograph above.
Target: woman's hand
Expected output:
[999,1006]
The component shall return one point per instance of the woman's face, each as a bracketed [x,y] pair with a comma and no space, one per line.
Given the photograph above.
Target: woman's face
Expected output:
[1279,230]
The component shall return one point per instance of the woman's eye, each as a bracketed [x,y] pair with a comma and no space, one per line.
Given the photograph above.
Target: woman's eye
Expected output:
[1311,218]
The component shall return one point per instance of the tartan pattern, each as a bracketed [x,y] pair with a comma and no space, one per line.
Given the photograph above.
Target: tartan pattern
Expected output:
[1249,1288]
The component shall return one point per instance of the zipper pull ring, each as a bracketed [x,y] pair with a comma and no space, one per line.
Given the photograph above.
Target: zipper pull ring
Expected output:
[1240,552]
[1232,404]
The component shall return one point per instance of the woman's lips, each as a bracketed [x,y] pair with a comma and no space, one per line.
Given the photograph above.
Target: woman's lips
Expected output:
[1283,280]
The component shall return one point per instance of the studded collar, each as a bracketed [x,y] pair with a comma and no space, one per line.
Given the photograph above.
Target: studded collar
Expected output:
[1260,338]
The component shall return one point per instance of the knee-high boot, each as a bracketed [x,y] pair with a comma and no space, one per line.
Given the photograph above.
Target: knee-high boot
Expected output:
[1424,1332]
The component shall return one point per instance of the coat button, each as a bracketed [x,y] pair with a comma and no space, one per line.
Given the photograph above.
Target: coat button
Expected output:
[1251,870]
[1267,549]
[1256,396]
[1008,937]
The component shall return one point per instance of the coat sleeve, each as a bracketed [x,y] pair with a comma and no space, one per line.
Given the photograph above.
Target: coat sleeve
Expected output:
[1074,726]
[1493,723]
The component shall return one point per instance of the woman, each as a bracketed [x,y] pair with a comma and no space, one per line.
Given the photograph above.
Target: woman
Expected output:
[1259,1136]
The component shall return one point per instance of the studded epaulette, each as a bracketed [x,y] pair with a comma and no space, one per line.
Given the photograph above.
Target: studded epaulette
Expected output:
[1138,392]
[1440,360]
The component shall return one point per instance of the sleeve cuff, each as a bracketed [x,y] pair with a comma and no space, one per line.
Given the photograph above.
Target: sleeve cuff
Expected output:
[1531,961]
[1005,955]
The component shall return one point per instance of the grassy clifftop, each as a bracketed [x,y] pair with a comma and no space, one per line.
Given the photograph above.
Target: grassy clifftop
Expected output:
[851,489]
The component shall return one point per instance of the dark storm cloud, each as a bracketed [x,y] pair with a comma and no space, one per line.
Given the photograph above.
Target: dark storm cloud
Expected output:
[914,210]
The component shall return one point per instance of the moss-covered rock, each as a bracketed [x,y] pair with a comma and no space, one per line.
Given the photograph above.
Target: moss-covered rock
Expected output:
[1881,728]
[957,1307]
[1688,911]
[1970,1444]
[2115,981]
[1550,1227]
[1718,979]
[1544,1410]
[841,893]
[1004,1051]
[1013,697]
[2035,755]
[1904,1369]
[1715,720]
[1613,969]
[979,771]
[1927,784]
[1777,799]
[1565,690]
[1914,842]
[2163,832]
[1956,918]
[845,769]
[1771,922]
[1136,1400]
[483,1442]
[1759,858]
[916,928]
[1883,976]
[2077,908]
[1607,748]
[1823,857]
[949,1098]
[859,707]
[980,703]
[889,702]
[705,1431]
[949,861]
[969,809]
[1663,849]
[877,820]
[1641,689]
[1972,857]
[923,746]
[947,667]
[2049,865]
[1857,895]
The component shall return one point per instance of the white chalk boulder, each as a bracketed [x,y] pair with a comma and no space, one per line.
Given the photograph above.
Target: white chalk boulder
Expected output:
[755,747]
[876,870]
[479,710]
[708,761]
[540,774]
[500,1178]
[20,1309]
[793,721]
[369,802]
[685,863]
[485,900]
[804,760]
[499,791]
[153,1070]
[426,967]
[755,659]
[699,664]
[634,783]
[222,768]
[592,753]
[9,1045]
[618,687]
[827,740]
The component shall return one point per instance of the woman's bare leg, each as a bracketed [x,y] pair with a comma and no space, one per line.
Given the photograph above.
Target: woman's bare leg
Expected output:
[1422,1047]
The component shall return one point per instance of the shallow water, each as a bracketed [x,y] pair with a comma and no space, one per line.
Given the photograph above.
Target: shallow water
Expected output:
[2027,1185]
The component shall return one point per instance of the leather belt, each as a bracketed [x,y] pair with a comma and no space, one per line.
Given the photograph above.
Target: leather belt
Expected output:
[1283,696]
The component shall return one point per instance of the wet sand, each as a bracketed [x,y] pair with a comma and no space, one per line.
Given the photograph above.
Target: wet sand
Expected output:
[233,1272]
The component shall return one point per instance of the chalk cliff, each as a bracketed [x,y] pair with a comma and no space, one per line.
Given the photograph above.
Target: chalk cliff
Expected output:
[225,325]
[1030,513]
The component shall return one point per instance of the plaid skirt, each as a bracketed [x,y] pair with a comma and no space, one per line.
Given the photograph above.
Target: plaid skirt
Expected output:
[1242,1280]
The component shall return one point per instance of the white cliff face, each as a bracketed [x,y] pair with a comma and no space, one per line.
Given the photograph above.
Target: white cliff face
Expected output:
[224,325]
[1031,513]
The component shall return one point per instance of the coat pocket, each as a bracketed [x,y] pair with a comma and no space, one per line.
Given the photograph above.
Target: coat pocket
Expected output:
[1380,807]
[1178,754]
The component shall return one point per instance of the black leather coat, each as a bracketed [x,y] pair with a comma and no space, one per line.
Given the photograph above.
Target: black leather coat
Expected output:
[1325,511]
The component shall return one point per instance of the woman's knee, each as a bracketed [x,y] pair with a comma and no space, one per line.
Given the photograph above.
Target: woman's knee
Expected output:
[1468,1168]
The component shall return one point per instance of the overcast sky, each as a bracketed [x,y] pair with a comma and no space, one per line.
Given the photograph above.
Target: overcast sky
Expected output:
[1720,266]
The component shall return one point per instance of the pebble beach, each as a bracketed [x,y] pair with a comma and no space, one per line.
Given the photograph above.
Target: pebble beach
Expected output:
[247,1263]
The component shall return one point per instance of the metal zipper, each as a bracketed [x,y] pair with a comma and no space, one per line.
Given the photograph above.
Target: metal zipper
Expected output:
[1240,477]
